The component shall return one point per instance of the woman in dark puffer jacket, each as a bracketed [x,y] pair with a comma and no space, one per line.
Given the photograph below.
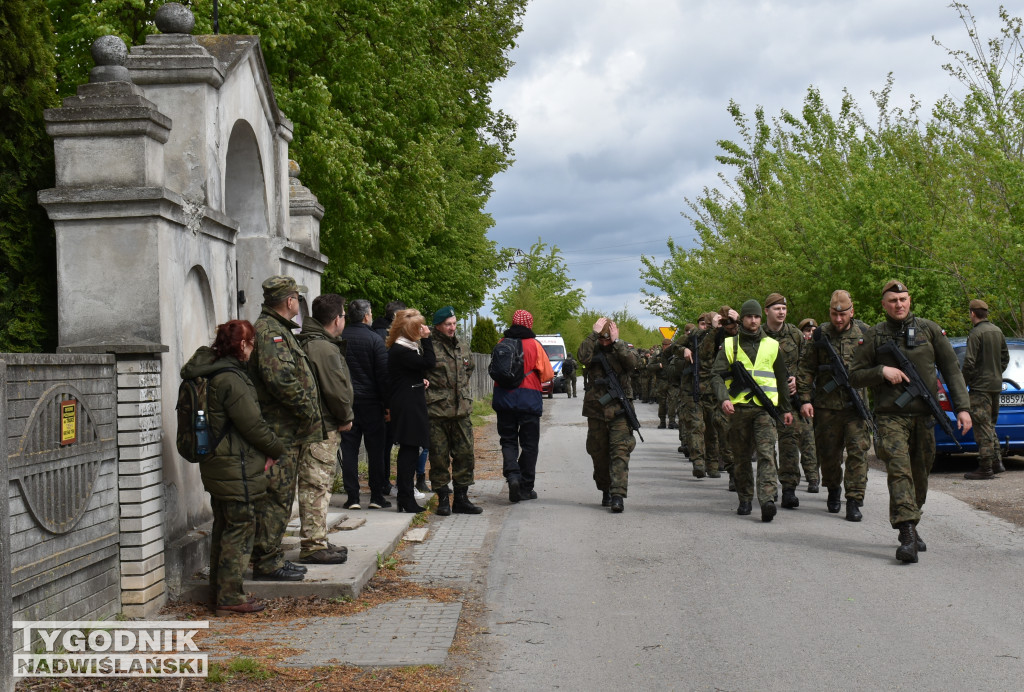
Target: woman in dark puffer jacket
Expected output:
[234,473]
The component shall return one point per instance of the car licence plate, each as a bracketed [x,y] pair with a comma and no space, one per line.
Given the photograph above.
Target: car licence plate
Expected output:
[1011,399]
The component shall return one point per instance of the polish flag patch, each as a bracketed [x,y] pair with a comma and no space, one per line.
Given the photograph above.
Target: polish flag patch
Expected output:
[278,339]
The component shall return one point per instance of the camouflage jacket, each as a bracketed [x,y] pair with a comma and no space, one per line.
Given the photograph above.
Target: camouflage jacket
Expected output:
[327,358]
[448,395]
[931,349]
[709,347]
[287,389]
[986,358]
[623,361]
[811,379]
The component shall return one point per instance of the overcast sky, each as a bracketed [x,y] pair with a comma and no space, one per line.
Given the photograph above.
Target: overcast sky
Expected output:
[619,105]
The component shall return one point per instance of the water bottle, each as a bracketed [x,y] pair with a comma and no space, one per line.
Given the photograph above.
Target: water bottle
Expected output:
[202,433]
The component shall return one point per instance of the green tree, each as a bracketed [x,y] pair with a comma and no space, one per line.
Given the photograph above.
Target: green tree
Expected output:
[394,129]
[485,336]
[27,251]
[540,284]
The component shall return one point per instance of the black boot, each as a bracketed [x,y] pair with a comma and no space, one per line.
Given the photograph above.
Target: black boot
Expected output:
[616,503]
[789,498]
[444,509]
[853,510]
[921,547]
[606,498]
[833,503]
[421,483]
[732,485]
[907,552]
[813,487]
[514,480]
[462,505]
[661,425]
[744,508]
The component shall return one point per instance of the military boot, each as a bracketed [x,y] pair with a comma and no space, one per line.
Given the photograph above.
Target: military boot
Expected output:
[921,547]
[853,510]
[462,505]
[732,484]
[997,466]
[979,474]
[616,503]
[833,503]
[661,425]
[813,486]
[789,498]
[698,471]
[907,552]
[744,508]
[444,509]
[606,498]
[768,511]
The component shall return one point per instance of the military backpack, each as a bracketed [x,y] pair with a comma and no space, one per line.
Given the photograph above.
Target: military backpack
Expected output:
[195,440]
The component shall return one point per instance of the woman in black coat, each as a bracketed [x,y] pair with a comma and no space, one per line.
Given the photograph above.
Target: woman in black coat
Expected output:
[410,356]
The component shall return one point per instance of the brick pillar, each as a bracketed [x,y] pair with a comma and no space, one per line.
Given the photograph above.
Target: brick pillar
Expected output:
[140,484]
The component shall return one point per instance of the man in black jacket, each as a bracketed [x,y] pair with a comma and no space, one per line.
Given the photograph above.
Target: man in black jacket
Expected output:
[367,361]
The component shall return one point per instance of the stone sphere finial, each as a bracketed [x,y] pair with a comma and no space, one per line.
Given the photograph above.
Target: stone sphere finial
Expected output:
[108,51]
[175,18]
[293,168]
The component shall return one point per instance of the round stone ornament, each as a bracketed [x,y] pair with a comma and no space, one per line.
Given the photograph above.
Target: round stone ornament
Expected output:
[109,50]
[175,18]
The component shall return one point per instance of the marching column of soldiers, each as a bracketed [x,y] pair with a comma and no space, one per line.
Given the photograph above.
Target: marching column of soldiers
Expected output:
[739,385]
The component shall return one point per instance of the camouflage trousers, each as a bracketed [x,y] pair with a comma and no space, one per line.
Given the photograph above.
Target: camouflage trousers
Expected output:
[752,434]
[906,444]
[833,432]
[609,444]
[666,405]
[230,548]
[790,458]
[570,385]
[672,404]
[274,510]
[717,451]
[691,430]
[984,413]
[451,443]
[317,469]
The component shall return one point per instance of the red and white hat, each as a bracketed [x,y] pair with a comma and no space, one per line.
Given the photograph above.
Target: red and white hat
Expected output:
[523,319]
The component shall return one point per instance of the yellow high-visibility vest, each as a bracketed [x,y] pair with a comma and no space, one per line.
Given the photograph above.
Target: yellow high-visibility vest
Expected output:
[763,369]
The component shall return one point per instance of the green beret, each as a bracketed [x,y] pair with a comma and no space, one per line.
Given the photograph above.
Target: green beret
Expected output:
[443,314]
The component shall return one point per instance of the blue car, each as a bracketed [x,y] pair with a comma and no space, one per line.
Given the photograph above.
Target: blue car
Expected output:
[1010,425]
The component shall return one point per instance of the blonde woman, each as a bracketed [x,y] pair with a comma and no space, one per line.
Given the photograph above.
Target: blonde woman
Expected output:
[410,356]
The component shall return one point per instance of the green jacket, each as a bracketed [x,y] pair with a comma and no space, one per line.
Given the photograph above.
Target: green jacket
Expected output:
[932,349]
[986,358]
[327,357]
[720,371]
[622,360]
[235,469]
[284,381]
[449,395]
[811,380]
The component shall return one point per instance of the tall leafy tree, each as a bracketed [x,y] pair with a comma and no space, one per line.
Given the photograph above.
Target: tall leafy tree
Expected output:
[540,284]
[27,254]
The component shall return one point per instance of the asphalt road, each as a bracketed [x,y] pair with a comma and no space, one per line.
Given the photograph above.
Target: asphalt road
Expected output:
[680,593]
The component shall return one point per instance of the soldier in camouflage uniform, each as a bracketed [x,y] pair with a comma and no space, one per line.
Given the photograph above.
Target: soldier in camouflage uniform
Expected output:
[790,340]
[321,339]
[569,375]
[609,437]
[717,451]
[804,427]
[691,415]
[837,424]
[985,360]
[751,428]
[290,401]
[449,405]
[646,376]
[658,367]
[906,434]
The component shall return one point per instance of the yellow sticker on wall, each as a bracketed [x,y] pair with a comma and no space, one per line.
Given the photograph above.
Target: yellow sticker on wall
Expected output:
[68,421]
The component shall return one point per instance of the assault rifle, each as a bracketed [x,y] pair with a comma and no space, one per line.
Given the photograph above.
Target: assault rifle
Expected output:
[841,378]
[616,392]
[742,380]
[917,388]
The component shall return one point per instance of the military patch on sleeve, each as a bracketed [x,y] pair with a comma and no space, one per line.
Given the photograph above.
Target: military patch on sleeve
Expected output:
[860,341]
[943,332]
[278,339]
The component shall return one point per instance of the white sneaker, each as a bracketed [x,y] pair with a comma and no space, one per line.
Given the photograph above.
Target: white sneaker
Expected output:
[417,494]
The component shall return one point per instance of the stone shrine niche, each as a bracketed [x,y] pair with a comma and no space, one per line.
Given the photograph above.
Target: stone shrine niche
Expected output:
[198,319]
[245,200]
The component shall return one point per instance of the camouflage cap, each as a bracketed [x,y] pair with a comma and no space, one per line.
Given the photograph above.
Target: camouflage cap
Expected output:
[979,304]
[841,301]
[894,286]
[278,287]
[443,314]
[807,322]
[774,299]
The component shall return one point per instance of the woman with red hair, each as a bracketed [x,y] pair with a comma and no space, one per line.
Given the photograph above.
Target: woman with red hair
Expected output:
[243,447]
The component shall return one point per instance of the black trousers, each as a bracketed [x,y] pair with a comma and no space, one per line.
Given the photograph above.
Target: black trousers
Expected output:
[520,444]
[368,429]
